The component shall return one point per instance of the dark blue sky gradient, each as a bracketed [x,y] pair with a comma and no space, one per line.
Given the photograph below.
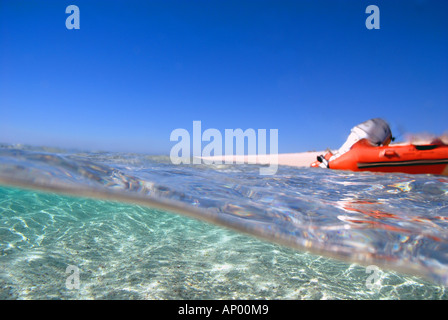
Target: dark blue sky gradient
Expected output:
[136,70]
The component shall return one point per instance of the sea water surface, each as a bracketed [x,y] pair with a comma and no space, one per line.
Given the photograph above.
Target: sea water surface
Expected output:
[138,227]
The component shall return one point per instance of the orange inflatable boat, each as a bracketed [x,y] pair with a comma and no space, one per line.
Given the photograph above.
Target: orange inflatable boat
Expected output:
[431,158]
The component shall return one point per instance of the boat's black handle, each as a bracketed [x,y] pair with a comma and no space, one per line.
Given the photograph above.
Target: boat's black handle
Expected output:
[390,153]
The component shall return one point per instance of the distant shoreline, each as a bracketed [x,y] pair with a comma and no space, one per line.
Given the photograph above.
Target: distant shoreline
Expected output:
[300,159]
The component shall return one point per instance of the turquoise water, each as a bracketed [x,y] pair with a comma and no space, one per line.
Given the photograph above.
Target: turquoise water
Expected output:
[301,234]
[132,252]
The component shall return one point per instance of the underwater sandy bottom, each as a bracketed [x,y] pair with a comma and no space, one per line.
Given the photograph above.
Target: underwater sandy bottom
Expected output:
[132,252]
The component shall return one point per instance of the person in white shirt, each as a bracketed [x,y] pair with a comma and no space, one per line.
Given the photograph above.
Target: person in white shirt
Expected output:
[376,131]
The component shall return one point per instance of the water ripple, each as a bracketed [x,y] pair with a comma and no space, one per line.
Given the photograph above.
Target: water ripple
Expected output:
[396,221]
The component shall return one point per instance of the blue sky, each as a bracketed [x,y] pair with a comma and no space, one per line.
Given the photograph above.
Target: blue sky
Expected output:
[137,70]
